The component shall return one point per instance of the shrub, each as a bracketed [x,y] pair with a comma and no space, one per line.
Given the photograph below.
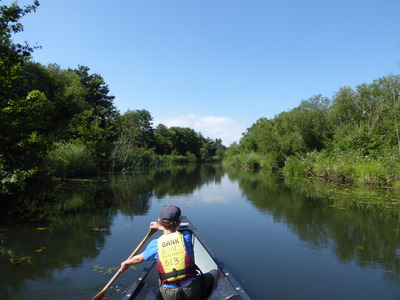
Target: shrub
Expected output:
[71,159]
[191,157]
[131,158]
[270,161]
[233,160]
[299,164]
[252,161]
[166,160]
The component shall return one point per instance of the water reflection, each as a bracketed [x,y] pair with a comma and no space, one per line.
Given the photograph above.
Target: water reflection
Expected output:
[84,222]
[133,191]
[75,225]
[369,237]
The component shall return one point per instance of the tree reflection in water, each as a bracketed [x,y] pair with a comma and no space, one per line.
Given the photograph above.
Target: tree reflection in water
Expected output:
[77,224]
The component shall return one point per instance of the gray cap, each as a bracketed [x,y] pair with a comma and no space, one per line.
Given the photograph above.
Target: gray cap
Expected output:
[171,214]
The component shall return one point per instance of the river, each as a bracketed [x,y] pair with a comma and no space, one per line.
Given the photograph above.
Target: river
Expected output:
[282,238]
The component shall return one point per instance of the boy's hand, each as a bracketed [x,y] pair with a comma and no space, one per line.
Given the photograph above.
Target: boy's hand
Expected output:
[124,266]
[156,225]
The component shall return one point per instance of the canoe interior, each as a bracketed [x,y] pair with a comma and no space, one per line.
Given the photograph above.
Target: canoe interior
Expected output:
[226,288]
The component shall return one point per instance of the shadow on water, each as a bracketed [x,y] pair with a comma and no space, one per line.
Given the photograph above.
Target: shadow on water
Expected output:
[64,233]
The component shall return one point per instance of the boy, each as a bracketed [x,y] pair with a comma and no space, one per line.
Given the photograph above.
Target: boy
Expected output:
[175,260]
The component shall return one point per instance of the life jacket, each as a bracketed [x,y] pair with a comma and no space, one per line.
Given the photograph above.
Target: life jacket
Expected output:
[174,264]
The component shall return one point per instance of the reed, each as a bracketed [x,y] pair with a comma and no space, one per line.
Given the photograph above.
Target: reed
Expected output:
[343,167]
[139,158]
[347,167]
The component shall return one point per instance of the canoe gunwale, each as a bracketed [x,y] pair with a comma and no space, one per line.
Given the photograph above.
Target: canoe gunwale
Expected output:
[221,266]
[138,284]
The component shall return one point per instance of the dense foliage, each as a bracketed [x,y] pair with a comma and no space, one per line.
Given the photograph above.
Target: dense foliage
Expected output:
[57,123]
[352,137]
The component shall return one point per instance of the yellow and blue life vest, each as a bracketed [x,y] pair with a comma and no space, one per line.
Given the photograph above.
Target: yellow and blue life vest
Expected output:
[174,263]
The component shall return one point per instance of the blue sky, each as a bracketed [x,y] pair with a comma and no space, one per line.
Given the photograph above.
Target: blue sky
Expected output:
[218,66]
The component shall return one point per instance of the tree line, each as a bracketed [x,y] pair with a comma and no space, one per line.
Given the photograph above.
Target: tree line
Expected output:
[352,137]
[58,123]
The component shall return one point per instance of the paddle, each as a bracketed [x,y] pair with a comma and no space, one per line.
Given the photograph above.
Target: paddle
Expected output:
[100,295]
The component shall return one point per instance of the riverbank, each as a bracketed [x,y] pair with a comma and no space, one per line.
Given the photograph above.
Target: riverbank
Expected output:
[339,167]
[376,180]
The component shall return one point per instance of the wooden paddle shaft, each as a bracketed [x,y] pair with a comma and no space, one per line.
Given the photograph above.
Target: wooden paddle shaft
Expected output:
[100,295]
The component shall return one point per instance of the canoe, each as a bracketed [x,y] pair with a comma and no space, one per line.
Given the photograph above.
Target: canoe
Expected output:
[145,287]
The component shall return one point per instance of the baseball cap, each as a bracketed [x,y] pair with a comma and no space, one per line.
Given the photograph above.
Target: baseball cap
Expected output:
[170,215]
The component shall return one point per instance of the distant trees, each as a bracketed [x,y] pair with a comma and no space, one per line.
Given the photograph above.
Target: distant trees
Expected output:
[137,129]
[367,117]
[63,123]
[362,119]
[322,135]
[307,127]
[139,140]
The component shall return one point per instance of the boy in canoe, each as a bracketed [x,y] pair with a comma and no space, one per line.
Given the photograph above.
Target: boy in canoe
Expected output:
[175,260]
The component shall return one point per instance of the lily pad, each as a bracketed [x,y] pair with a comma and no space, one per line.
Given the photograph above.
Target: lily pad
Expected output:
[21,260]
[98,229]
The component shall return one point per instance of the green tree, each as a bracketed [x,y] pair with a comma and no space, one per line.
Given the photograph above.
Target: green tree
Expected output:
[261,137]
[367,116]
[12,55]
[391,86]
[302,129]
[97,94]
[27,120]
[186,140]
[163,143]
[19,125]
[98,140]
[22,117]
[313,121]
[134,146]
[212,150]
[68,95]
[291,140]
[136,130]
[63,88]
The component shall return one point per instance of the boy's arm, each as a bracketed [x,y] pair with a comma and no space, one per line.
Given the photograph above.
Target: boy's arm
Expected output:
[137,259]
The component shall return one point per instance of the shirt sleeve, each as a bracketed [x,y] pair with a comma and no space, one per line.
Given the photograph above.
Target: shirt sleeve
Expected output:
[151,251]
[187,237]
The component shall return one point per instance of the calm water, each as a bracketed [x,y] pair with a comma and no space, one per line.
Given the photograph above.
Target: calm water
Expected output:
[282,238]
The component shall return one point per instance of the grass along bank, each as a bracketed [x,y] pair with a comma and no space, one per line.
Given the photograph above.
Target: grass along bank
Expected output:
[337,167]
[346,167]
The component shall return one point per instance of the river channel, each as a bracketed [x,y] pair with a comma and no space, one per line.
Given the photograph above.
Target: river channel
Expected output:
[282,238]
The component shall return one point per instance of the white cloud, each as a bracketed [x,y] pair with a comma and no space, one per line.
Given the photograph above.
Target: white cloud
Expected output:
[229,130]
